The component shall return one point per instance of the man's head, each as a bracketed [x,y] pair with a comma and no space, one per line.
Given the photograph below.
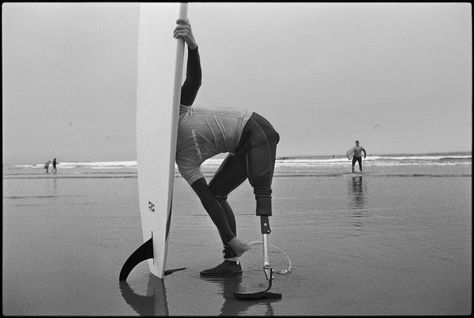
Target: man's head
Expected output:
[357,142]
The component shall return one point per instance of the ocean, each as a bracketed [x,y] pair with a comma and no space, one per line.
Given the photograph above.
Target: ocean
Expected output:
[431,164]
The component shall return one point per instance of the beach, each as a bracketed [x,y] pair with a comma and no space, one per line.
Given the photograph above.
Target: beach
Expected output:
[393,241]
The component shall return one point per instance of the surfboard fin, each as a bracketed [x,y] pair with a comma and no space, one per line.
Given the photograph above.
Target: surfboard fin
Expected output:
[145,251]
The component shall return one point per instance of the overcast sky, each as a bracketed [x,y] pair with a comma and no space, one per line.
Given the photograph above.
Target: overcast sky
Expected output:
[396,76]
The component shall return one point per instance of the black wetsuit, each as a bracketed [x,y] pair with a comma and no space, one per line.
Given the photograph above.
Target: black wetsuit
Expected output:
[254,159]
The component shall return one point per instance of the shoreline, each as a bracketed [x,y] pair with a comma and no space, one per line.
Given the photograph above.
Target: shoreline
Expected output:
[287,157]
[209,175]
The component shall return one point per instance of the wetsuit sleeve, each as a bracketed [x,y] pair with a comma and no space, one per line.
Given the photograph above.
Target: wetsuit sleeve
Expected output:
[213,208]
[192,83]
[202,190]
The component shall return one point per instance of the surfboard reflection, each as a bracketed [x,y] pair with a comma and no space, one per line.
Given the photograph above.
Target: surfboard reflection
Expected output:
[154,305]
[155,302]
[233,306]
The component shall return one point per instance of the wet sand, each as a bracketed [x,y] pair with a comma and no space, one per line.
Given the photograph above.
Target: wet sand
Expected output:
[365,245]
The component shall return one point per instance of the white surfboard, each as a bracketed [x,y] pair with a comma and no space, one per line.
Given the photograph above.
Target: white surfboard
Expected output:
[159,76]
[350,153]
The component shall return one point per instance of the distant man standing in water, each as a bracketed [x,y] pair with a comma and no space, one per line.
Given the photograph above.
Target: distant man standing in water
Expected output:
[357,155]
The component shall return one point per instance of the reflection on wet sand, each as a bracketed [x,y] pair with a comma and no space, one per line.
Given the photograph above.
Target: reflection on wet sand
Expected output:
[233,306]
[55,187]
[155,302]
[358,193]
[358,200]
[154,305]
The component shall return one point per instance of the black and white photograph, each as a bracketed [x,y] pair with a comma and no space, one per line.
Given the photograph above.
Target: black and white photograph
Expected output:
[237,159]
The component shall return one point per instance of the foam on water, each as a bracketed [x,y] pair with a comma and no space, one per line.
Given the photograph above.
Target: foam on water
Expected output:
[403,164]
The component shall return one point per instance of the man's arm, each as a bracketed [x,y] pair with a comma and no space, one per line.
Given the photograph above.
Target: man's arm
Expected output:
[365,154]
[192,82]
[213,208]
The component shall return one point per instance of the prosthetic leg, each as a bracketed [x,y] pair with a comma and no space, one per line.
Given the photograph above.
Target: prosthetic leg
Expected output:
[266,294]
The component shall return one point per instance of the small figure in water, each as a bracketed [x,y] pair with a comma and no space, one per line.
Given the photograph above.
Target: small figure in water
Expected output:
[46,165]
[357,155]
[54,170]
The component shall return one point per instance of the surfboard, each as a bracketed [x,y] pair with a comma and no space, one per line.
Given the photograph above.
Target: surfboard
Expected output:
[350,153]
[159,76]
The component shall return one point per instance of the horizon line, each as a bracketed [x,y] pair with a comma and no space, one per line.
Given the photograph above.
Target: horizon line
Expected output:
[277,158]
